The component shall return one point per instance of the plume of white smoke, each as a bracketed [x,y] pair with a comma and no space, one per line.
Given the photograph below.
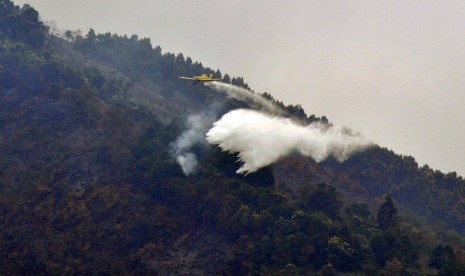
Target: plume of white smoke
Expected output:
[244,95]
[188,162]
[260,139]
[196,127]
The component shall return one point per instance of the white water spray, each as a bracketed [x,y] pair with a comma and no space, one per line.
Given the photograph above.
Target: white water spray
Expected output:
[261,139]
[244,95]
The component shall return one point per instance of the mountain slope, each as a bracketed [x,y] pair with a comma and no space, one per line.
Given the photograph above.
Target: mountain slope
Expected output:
[89,184]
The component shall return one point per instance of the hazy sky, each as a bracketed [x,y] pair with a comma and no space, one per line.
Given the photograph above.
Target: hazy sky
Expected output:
[393,70]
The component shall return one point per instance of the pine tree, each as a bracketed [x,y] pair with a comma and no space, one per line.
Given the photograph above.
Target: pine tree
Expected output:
[386,214]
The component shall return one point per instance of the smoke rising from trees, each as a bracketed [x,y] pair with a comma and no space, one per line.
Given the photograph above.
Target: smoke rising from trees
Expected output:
[196,127]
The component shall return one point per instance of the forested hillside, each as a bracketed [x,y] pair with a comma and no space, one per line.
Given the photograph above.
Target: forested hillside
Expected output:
[89,183]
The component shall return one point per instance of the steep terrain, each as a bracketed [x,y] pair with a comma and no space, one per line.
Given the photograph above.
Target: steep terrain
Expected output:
[89,183]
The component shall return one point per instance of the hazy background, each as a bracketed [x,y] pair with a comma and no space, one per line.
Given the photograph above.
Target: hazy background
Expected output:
[393,70]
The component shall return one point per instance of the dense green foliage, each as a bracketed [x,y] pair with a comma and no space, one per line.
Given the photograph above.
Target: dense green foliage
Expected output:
[89,185]
[21,25]
[428,193]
